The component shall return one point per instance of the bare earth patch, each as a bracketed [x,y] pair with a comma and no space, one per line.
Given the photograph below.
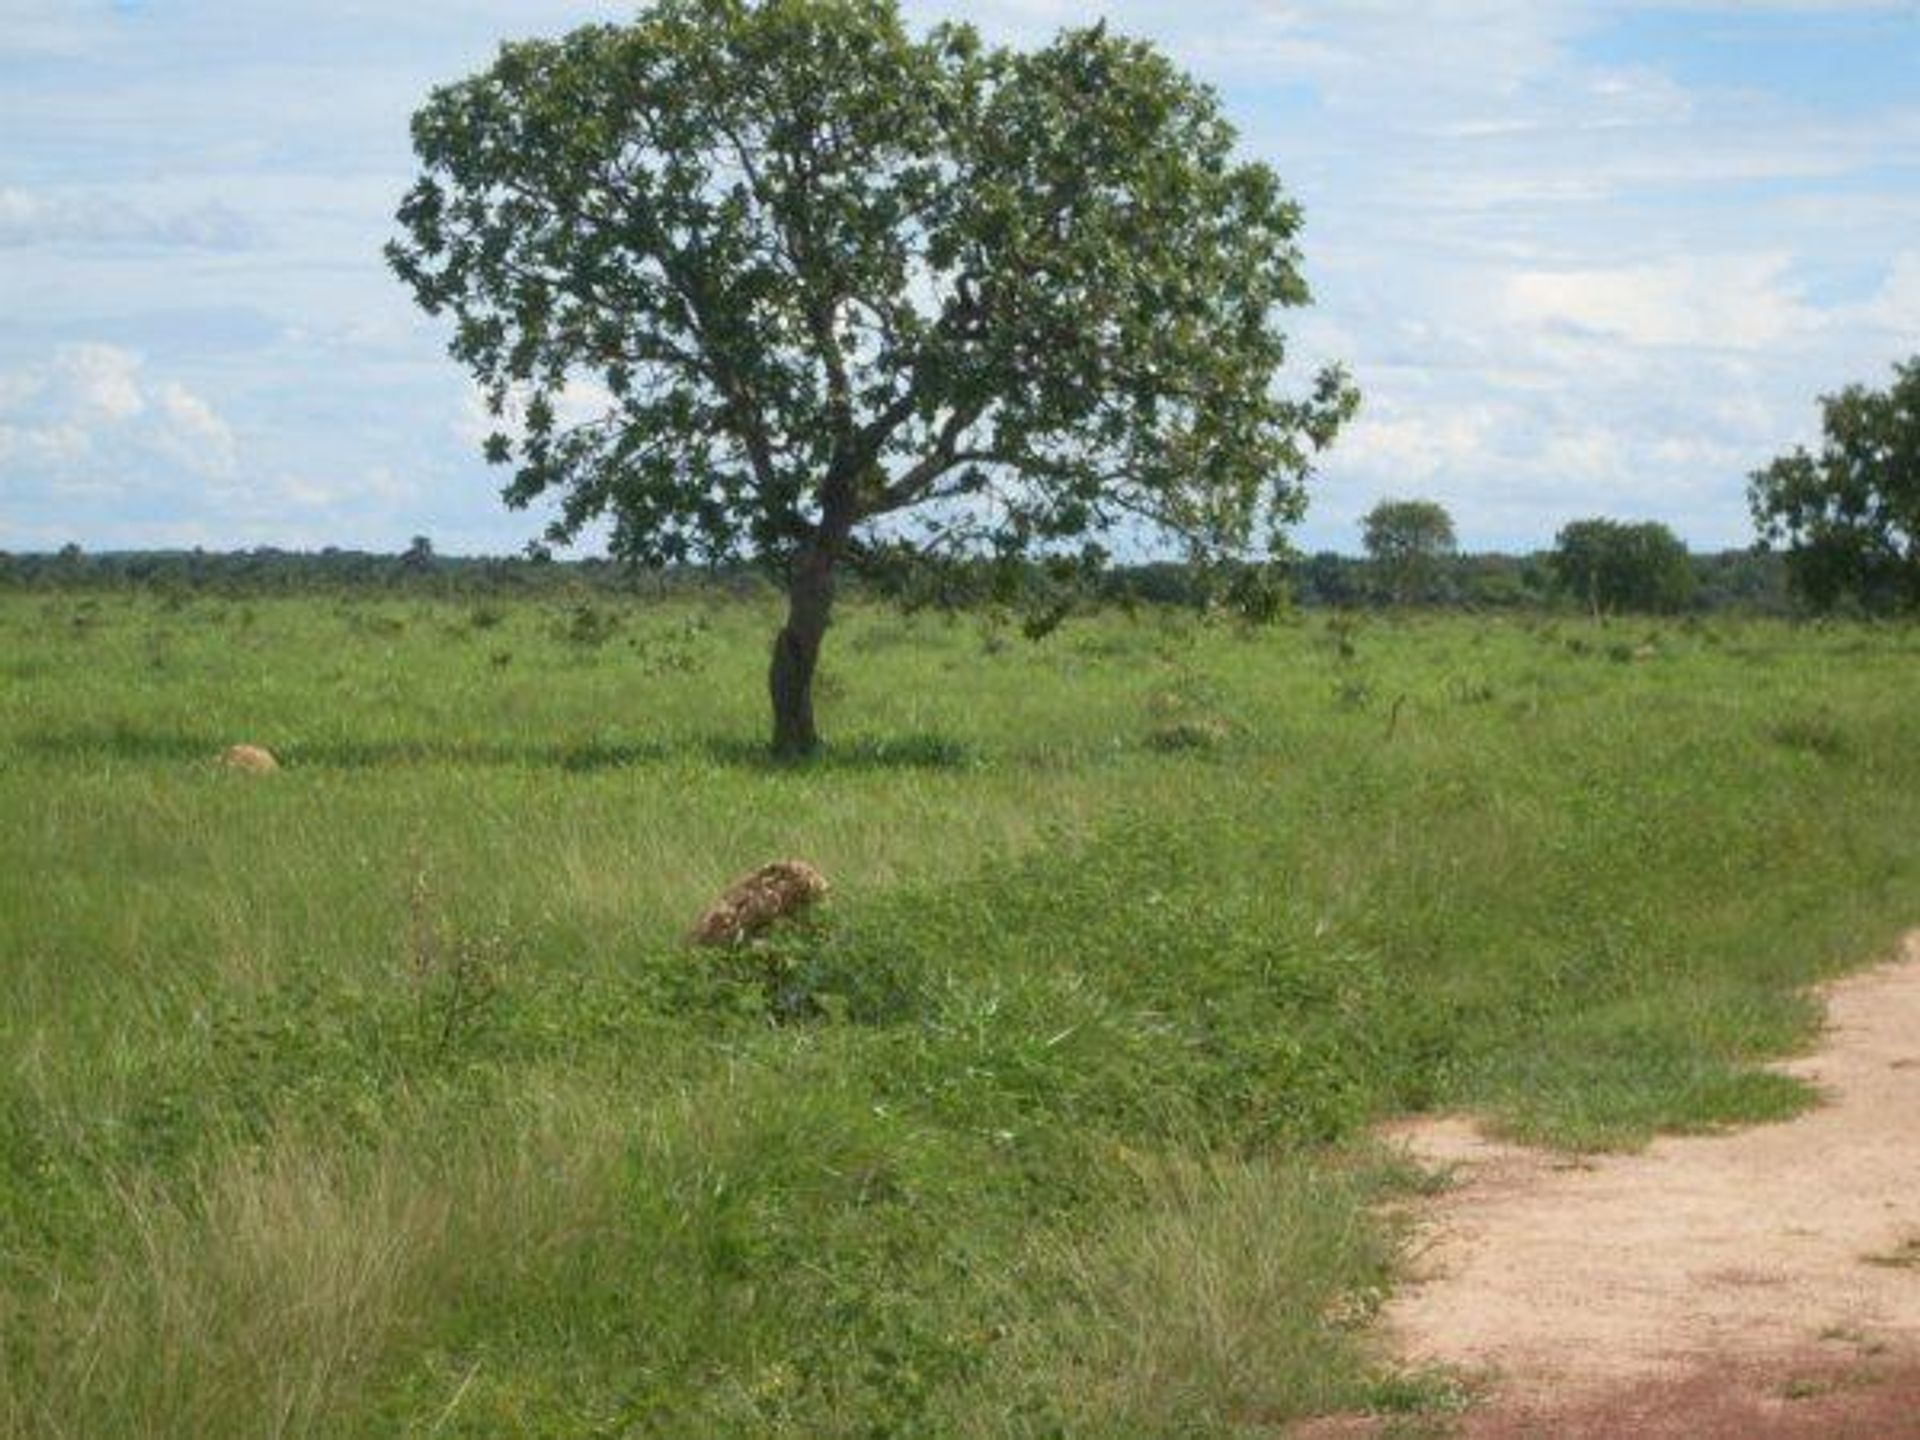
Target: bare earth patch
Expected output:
[1759,1283]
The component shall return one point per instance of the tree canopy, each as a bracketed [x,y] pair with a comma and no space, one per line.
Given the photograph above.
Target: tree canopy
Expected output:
[751,279]
[1849,515]
[1611,565]
[1409,542]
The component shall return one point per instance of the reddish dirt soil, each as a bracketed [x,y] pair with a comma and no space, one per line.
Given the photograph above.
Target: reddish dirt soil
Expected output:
[1761,1283]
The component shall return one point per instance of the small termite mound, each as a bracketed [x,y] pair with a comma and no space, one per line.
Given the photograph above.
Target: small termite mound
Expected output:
[754,902]
[251,759]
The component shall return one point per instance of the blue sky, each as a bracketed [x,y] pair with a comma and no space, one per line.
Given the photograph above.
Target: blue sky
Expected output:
[1589,258]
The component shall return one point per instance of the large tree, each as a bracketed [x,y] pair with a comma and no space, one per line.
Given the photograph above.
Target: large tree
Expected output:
[755,277]
[1849,516]
[1410,543]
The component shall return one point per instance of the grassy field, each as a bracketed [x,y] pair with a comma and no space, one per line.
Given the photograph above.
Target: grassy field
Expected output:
[382,1096]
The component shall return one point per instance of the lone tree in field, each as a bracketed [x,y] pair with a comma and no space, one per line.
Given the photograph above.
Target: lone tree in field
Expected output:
[1610,565]
[1850,516]
[1409,542]
[751,278]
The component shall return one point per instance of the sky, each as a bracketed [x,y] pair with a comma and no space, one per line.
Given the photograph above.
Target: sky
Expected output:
[1583,257]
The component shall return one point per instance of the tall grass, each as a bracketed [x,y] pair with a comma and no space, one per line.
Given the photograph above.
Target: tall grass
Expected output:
[382,1096]
[1221,1299]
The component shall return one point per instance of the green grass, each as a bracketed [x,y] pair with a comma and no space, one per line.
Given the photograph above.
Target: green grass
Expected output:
[382,1096]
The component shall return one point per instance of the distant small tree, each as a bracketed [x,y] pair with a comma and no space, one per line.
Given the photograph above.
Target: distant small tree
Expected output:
[1609,565]
[1410,542]
[1849,516]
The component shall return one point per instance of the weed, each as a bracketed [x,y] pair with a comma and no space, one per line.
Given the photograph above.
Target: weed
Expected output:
[1465,691]
[1353,694]
[1863,1344]
[1815,734]
[457,975]
[677,651]
[1342,634]
[385,627]
[1199,733]
[586,626]
[1904,1256]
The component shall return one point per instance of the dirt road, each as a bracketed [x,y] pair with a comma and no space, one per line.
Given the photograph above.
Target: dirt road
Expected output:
[1760,1283]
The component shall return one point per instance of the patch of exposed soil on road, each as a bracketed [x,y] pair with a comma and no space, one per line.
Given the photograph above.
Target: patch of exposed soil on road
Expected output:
[1811,1397]
[1764,1282]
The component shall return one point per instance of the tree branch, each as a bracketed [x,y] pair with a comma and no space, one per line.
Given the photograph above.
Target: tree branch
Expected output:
[945,455]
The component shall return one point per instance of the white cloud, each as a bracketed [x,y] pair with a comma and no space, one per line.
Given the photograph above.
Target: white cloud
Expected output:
[35,28]
[1415,446]
[1635,96]
[59,443]
[193,434]
[1897,305]
[18,387]
[305,493]
[90,417]
[1698,456]
[1583,457]
[102,218]
[193,417]
[100,381]
[41,445]
[1735,302]
[382,482]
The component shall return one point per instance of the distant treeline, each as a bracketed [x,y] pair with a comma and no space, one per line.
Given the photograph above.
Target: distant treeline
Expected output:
[1727,580]
[418,570]
[1746,580]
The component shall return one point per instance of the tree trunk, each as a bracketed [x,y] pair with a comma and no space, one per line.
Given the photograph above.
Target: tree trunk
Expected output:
[796,650]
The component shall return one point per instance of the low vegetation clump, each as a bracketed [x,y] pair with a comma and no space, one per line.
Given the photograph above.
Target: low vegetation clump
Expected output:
[388,1098]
